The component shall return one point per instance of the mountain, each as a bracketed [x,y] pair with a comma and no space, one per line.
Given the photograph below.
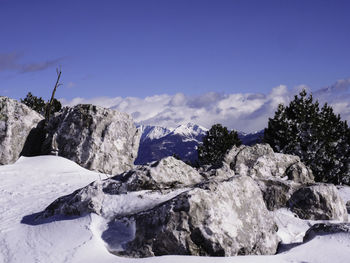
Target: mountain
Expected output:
[251,138]
[152,132]
[159,142]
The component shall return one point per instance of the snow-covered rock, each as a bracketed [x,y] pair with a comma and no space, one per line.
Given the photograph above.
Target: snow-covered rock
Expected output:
[165,176]
[175,210]
[326,229]
[260,161]
[94,137]
[318,202]
[216,219]
[16,122]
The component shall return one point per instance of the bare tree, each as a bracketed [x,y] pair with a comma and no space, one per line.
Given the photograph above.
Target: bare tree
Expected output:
[49,105]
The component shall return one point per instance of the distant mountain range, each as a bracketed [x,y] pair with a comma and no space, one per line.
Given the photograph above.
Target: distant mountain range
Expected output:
[158,142]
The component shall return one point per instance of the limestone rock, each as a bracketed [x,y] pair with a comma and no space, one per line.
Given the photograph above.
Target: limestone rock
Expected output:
[96,138]
[167,207]
[300,173]
[165,176]
[259,161]
[277,192]
[318,202]
[224,218]
[16,122]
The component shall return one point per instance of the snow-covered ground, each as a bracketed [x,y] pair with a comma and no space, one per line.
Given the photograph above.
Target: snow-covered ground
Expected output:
[31,184]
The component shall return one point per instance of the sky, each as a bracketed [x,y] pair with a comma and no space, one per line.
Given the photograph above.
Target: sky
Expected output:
[171,61]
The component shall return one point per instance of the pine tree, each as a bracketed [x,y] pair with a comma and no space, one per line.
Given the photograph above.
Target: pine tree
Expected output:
[35,103]
[318,136]
[39,105]
[215,144]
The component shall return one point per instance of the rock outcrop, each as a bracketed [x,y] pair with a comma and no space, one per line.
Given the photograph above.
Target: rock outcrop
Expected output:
[260,161]
[278,175]
[170,208]
[276,192]
[167,207]
[94,137]
[215,219]
[318,202]
[324,229]
[16,122]
[164,176]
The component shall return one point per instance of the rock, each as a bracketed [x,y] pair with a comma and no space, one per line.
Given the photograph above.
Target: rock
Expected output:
[224,218]
[277,192]
[16,122]
[324,229]
[348,206]
[259,161]
[300,173]
[318,202]
[167,207]
[94,137]
[166,174]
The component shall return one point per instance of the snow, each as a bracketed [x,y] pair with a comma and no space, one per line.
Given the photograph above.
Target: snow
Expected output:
[189,130]
[152,132]
[32,183]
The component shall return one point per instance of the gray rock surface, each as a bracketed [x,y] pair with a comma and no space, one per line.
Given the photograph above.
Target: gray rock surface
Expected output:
[225,218]
[325,229]
[164,176]
[94,137]
[260,161]
[276,192]
[318,202]
[348,206]
[167,207]
[16,122]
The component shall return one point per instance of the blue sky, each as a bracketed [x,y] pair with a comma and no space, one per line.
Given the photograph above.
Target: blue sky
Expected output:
[142,48]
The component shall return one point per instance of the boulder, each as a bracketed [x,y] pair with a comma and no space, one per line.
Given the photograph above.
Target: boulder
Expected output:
[260,161]
[216,218]
[276,192]
[16,122]
[318,202]
[165,176]
[167,207]
[300,173]
[96,138]
[325,229]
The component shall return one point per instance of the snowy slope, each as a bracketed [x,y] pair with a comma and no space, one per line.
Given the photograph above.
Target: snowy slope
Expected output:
[31,184]
[152,132]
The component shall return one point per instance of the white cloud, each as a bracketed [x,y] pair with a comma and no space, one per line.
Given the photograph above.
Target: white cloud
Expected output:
[241,111]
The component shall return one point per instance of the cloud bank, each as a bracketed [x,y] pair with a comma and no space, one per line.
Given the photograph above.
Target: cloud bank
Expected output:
[246,112]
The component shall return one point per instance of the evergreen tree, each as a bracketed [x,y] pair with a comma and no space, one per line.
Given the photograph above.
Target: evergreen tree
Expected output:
[318,136]
[39,105]
[216,143]
[35,103]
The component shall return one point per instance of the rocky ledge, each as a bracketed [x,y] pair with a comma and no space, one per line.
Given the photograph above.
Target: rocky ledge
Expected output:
[170,208]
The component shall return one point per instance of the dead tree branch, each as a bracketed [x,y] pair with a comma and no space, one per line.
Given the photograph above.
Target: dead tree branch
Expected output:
[49,105]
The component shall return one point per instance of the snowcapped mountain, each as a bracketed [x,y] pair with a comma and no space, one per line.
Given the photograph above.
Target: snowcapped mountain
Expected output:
[158,142]
[152,132]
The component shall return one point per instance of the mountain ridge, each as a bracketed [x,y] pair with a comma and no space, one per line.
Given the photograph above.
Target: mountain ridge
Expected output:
[158,142]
